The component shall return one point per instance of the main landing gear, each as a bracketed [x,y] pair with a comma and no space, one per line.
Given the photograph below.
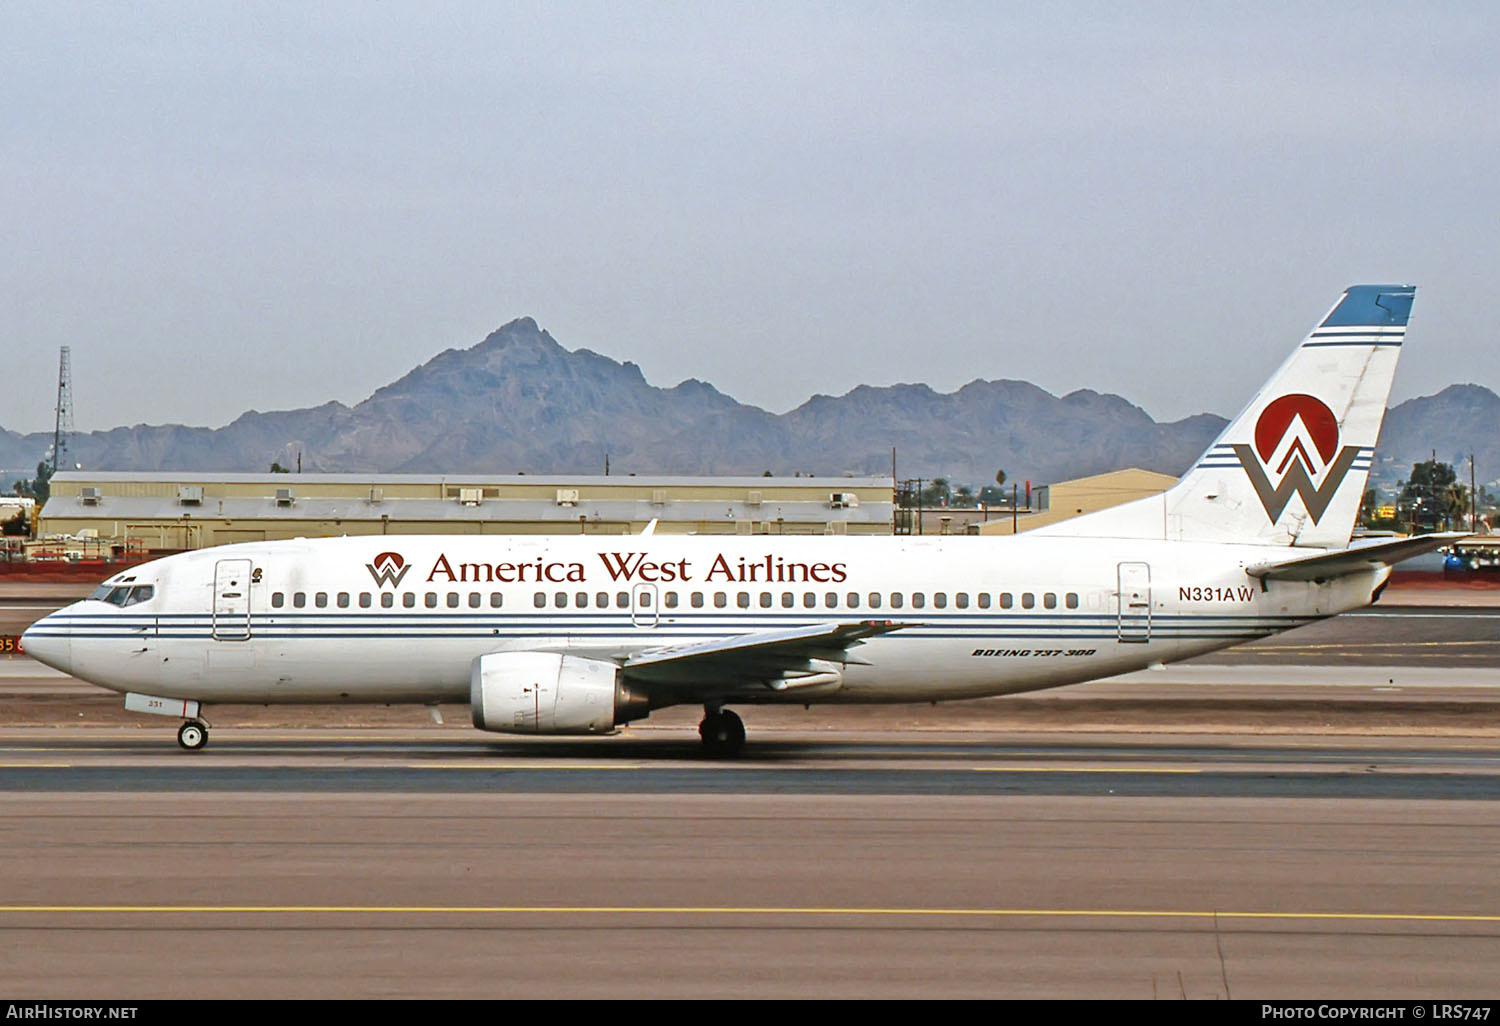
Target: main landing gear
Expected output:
[723,732]
[193,735]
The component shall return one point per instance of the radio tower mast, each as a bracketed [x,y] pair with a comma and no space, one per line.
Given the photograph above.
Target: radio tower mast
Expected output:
[64,409]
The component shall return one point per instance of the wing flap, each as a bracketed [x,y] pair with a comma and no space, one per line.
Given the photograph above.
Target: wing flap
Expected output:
[768,655]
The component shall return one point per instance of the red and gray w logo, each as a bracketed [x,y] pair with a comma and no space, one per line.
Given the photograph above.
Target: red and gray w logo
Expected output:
[388,569]
[1296,440]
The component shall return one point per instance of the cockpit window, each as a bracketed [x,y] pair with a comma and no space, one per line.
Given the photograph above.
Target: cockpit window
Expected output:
[123,596]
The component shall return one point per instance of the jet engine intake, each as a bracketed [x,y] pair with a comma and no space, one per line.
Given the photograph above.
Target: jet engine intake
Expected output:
[550,693]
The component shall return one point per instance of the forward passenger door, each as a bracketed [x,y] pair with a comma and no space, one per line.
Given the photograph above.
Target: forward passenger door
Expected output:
[232,600]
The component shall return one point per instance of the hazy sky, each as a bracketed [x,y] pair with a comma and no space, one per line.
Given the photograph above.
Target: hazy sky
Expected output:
[270,205]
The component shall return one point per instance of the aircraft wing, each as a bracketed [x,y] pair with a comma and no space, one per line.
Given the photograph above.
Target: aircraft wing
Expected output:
[1325,565]
[781,658]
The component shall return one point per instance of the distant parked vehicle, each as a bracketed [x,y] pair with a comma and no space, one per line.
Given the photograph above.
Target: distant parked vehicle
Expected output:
[1473,555]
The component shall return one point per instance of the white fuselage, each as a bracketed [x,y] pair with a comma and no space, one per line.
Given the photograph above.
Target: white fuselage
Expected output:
[327,621]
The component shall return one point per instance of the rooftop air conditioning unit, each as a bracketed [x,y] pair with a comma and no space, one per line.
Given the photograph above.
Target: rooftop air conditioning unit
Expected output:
[753,499]
[190,495]
[284,497]
[89,496]
[843,500]
[567,496]
[470,496]
[377,496]
[658,496]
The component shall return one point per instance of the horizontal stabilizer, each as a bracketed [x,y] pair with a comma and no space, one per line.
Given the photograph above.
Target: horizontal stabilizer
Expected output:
[1349,561]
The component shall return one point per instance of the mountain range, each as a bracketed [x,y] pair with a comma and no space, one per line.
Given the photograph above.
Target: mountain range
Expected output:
[520,402]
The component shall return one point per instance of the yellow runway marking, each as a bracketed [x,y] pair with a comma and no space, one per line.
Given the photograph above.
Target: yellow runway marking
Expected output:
[1374,644]
[1077,769]
[521,765]
[630,766]
[769,910]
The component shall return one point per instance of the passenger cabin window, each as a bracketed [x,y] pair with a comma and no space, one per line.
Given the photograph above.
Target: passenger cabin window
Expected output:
[540,600]
[622,600]
[961,600]
[1028,600]
[1072,600]
[387,600]
[561,599]
[430,600]
[984,600]
[496,600]
[453,600]
[671,600]
[697,600]
[940,600]
[1050,600]
[852,600]
[364,600]
[277,600]
[720,600]
[831,600]
[766,598]
[788,600]
[1005,600]
[809,600]
[409,599]
[743,599]
[874,600]
[918,600]
[896,600]
[475,599]
[602,600]
[343,600]
[299,599]
[321,600]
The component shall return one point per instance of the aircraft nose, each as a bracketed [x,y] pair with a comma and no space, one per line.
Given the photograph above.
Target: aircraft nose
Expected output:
[50,641]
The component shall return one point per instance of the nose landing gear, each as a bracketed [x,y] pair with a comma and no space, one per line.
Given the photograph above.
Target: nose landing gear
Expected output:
[723,732]
[193,735]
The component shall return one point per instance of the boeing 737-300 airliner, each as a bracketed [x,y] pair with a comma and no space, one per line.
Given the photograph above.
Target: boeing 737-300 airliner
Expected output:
[578,635]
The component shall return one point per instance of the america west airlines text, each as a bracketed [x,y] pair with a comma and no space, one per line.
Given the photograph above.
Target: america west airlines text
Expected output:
[634,567]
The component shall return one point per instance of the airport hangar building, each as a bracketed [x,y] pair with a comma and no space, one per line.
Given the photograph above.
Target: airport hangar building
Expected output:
[164,511]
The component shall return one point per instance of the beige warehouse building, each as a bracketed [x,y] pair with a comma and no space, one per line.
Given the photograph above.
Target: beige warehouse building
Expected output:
[167,511]
[1066,499]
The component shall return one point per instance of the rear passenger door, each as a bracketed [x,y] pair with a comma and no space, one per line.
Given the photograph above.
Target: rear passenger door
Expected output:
[1134,602]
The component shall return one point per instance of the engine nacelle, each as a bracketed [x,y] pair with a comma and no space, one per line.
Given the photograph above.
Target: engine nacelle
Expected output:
[550,693]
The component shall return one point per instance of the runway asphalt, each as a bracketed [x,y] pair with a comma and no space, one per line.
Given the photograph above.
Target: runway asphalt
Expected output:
[1318,818]
[512,895]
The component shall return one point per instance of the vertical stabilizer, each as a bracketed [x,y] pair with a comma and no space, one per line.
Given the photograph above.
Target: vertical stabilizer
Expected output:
[1291,468]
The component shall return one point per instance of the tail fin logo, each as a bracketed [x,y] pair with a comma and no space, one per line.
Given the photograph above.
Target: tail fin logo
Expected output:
[1296,444]
[388,569]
